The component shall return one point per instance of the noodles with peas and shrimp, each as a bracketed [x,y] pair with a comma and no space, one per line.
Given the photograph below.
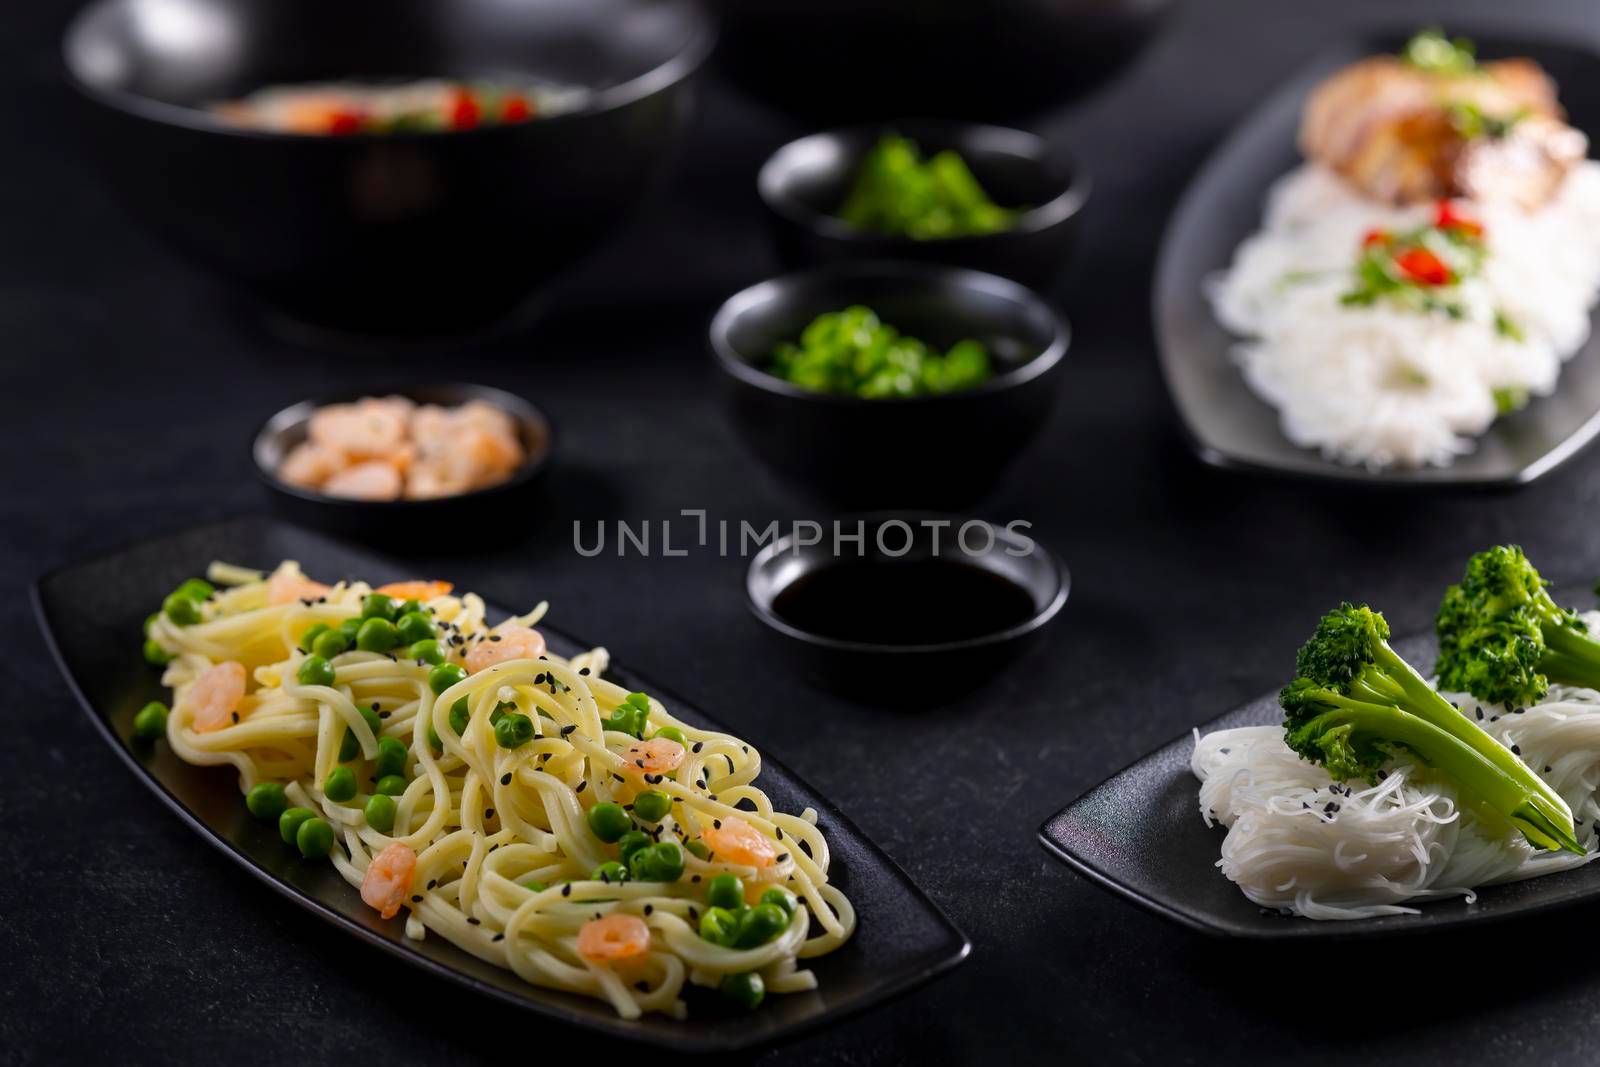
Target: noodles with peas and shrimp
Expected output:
[510,801]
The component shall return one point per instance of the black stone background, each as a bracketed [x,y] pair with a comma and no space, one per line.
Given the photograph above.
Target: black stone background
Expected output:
[131,384]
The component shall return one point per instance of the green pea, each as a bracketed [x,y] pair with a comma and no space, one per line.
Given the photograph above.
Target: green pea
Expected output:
[444,676]
[391,785]
[150,620]
[433,739]
[314,839]
[155,655]
[672,733]
[628,719]
[460,715]
[609,871]
[266,801]
[408,608]
[181,609]
[725,891]
[150,723]
[632,842]
[413,627]
[782,898]
[330,643]
[391,757]
[350,746]
[380,812]
[308,639]
[377,606]
[760,924]
[513,731]
[376,635]
[718,926]
[289,822]
[340,785]
[652,805]
[639,700]
[499,712]
[661,862]
[350,627]
[609,822]
[315,670]
[535,885]
[746,990]
[698,849]
[427,650]
[196,589]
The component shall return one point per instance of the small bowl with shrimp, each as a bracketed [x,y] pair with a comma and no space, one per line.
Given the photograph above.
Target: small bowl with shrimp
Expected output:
[408,465]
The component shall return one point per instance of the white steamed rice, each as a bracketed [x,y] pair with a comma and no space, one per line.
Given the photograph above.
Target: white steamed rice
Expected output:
[1381,385]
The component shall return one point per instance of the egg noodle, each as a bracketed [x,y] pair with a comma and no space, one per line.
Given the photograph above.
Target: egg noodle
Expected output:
[503,847]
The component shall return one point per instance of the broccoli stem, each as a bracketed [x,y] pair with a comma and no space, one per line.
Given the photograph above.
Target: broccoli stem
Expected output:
[1496,781]
[1571,658]
[1401,684]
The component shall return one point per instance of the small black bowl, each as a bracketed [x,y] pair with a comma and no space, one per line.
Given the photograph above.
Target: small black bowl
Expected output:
[930,671]
[804,183]
[933,451]
[850,60]
[432,233]
[493,512]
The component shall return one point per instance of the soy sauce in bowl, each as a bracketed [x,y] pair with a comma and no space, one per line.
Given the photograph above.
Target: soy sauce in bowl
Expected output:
[932,601]
[919,623]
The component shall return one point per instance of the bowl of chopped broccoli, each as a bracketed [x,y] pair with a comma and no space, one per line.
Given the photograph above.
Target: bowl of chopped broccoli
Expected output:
[889,384]
[985,197]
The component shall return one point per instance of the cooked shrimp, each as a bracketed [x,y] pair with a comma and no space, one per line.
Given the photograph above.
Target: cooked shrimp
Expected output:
[363,429]
[736,841]
[659,755]
[613,937]
[415,590]
[388,880]
[309,465]
[373,480]
[285,587]
[507,643]
[215,696]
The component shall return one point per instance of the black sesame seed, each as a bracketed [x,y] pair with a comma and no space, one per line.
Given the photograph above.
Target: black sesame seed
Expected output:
[432,882]
[648,908]
[498,937]
[416,900]
[505,779]
[565,730]
[488,813]
[582,786]
[566,890]
[473,920]
[585,671]
[698,745]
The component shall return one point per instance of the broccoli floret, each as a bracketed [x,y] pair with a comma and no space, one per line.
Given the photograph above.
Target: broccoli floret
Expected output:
[1355,704]
[1504,640]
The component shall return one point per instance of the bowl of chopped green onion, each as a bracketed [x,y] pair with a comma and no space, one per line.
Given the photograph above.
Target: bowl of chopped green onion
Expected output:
[889,384]
[986,197]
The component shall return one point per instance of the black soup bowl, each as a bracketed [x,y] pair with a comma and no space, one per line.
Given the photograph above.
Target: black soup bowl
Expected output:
[498,513]
[805,182]
[897,608]
[424,232]
[943,450]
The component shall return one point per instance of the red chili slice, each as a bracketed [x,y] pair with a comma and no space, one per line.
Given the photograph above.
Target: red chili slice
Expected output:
[1423,267]
[341,123]
[465,111]
[1446,217]
[1374,237]
[515,109]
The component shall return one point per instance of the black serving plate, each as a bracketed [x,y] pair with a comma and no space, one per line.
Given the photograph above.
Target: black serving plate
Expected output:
[1228,425]
[1139,834]
[91,614]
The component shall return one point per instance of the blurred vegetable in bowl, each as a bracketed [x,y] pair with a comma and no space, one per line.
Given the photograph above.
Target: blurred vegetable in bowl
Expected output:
[853,351]
[897,192]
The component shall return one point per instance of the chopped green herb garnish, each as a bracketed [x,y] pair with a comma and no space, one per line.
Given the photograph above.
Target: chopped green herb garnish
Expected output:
[1507,327]
[899,194]
[852,351]
[1435,53]
[1509,399]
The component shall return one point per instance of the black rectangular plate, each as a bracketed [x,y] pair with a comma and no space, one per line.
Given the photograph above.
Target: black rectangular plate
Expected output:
[1225,423]
[1139,834]
[91,614]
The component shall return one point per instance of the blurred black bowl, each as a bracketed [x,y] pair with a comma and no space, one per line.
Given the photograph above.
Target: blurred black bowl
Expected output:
[498,512]
[806,181]
[874,672]
[931,451]
[831,61]
[430,233]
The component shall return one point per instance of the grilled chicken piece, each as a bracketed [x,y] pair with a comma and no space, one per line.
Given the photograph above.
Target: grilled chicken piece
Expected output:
[1401,134]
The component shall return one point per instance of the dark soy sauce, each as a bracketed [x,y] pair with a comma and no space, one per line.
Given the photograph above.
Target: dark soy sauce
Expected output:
[930,601]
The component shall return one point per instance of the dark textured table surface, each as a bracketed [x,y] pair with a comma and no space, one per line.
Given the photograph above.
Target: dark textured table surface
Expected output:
[132,384]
